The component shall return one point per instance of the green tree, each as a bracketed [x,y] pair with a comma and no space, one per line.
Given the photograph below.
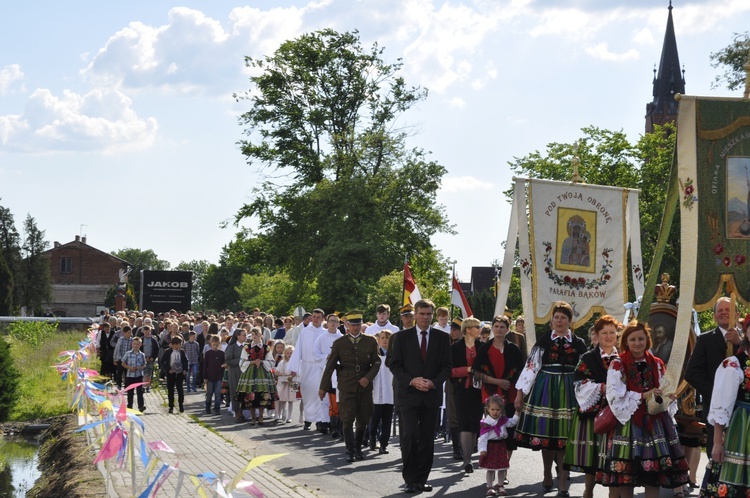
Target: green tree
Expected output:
[10,246]
[608,158]
[36,287]
[9,378]
[6,288]
[347,199]
[732,59]
[246,254]
[276,294]
[199,269]
[140,259]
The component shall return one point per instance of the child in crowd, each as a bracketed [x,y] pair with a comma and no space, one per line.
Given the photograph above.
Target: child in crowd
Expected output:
[134,363]
[151,349]
[382,397]
[278,352]
[213,372]
[174,364]
[287,395]
[123,345]
[192,351]
[493,454]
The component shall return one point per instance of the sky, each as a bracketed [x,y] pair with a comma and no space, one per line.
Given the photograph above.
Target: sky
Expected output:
[117,120]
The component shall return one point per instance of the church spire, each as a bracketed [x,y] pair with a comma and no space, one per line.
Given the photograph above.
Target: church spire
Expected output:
[668,81]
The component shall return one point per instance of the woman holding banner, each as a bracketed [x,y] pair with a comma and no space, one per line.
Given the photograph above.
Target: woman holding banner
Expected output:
[548,382]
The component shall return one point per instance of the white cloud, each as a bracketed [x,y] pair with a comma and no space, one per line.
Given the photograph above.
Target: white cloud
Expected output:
[100,120]
[448,40]
[8,75]
[601,51]
[644,37]
[456,102]
[454,184]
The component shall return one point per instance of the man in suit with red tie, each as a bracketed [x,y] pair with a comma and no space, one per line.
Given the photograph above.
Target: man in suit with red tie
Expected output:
[420,360]
[710,350]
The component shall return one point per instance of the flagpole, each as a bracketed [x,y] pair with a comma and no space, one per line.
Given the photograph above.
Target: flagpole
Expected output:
[450,293]
[403,280]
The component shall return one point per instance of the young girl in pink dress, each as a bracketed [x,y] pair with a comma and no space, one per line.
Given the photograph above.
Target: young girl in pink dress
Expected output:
[493,454]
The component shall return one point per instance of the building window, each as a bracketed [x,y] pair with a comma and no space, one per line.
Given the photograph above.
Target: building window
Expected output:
[66,265]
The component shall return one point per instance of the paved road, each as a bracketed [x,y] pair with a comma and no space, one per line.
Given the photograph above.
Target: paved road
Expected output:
[316,463]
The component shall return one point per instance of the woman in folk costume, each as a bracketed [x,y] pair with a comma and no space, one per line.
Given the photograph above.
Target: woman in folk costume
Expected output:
[643,449]
[548,382]
[728,476]
[584,449]
[257,385]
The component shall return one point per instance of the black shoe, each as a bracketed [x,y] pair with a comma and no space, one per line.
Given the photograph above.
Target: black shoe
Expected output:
[142,409]
[382,450]
[425,487]
[563,494]
[335,435]
[358,454]
[505,481]
[468,468]
[412,488]
[182,408]
[208,411]
[318,426]
[307,426]
[323,428]
[350,456]
[171,409]
[373,445]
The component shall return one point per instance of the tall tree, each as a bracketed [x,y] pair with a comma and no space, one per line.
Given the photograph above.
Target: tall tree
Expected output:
[36,281]
[10,246]
[6,288]
[140,259]
[199,269]
[347,199]
[732,59]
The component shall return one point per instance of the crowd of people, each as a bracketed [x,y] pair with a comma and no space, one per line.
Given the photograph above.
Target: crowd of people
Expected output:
[601,409]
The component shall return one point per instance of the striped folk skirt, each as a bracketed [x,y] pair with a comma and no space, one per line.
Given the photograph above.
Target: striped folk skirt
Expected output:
[649,454]
[585,450]
[548,412]
[256,387]
[732,478]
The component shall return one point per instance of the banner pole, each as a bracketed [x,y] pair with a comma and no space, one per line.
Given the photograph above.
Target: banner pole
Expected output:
[670,207]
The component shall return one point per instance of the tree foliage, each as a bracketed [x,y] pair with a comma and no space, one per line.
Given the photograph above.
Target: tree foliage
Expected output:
[9,378]
[140,259]
[343,199]
[608,158]
[6,288]
[10,246]
[36,283]
[732,59]
[276,294]
[199,269]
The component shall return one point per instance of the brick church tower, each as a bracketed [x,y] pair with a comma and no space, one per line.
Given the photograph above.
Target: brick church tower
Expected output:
[668,81]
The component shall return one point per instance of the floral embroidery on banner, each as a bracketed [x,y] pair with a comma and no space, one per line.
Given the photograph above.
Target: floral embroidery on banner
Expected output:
[688,191]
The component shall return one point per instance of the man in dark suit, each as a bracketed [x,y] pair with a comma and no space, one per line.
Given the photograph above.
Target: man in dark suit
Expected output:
[709,351]
[356,360]
[420,360]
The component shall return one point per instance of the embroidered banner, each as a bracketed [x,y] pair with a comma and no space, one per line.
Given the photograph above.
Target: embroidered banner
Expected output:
[714,176]
[578,247]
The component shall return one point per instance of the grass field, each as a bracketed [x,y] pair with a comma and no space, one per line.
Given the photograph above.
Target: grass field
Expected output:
[41,393]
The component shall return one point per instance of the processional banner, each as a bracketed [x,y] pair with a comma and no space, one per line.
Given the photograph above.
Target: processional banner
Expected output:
[713,157]
[573,247]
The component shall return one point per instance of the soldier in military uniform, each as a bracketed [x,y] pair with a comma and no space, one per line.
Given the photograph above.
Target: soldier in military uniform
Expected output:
[356,360]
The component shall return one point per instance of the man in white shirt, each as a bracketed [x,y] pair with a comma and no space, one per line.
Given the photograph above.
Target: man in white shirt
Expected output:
[383,313]
[322,349]
[303,363]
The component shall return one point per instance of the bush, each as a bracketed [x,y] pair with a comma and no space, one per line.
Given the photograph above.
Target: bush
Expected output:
[32,333]
[9,378]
